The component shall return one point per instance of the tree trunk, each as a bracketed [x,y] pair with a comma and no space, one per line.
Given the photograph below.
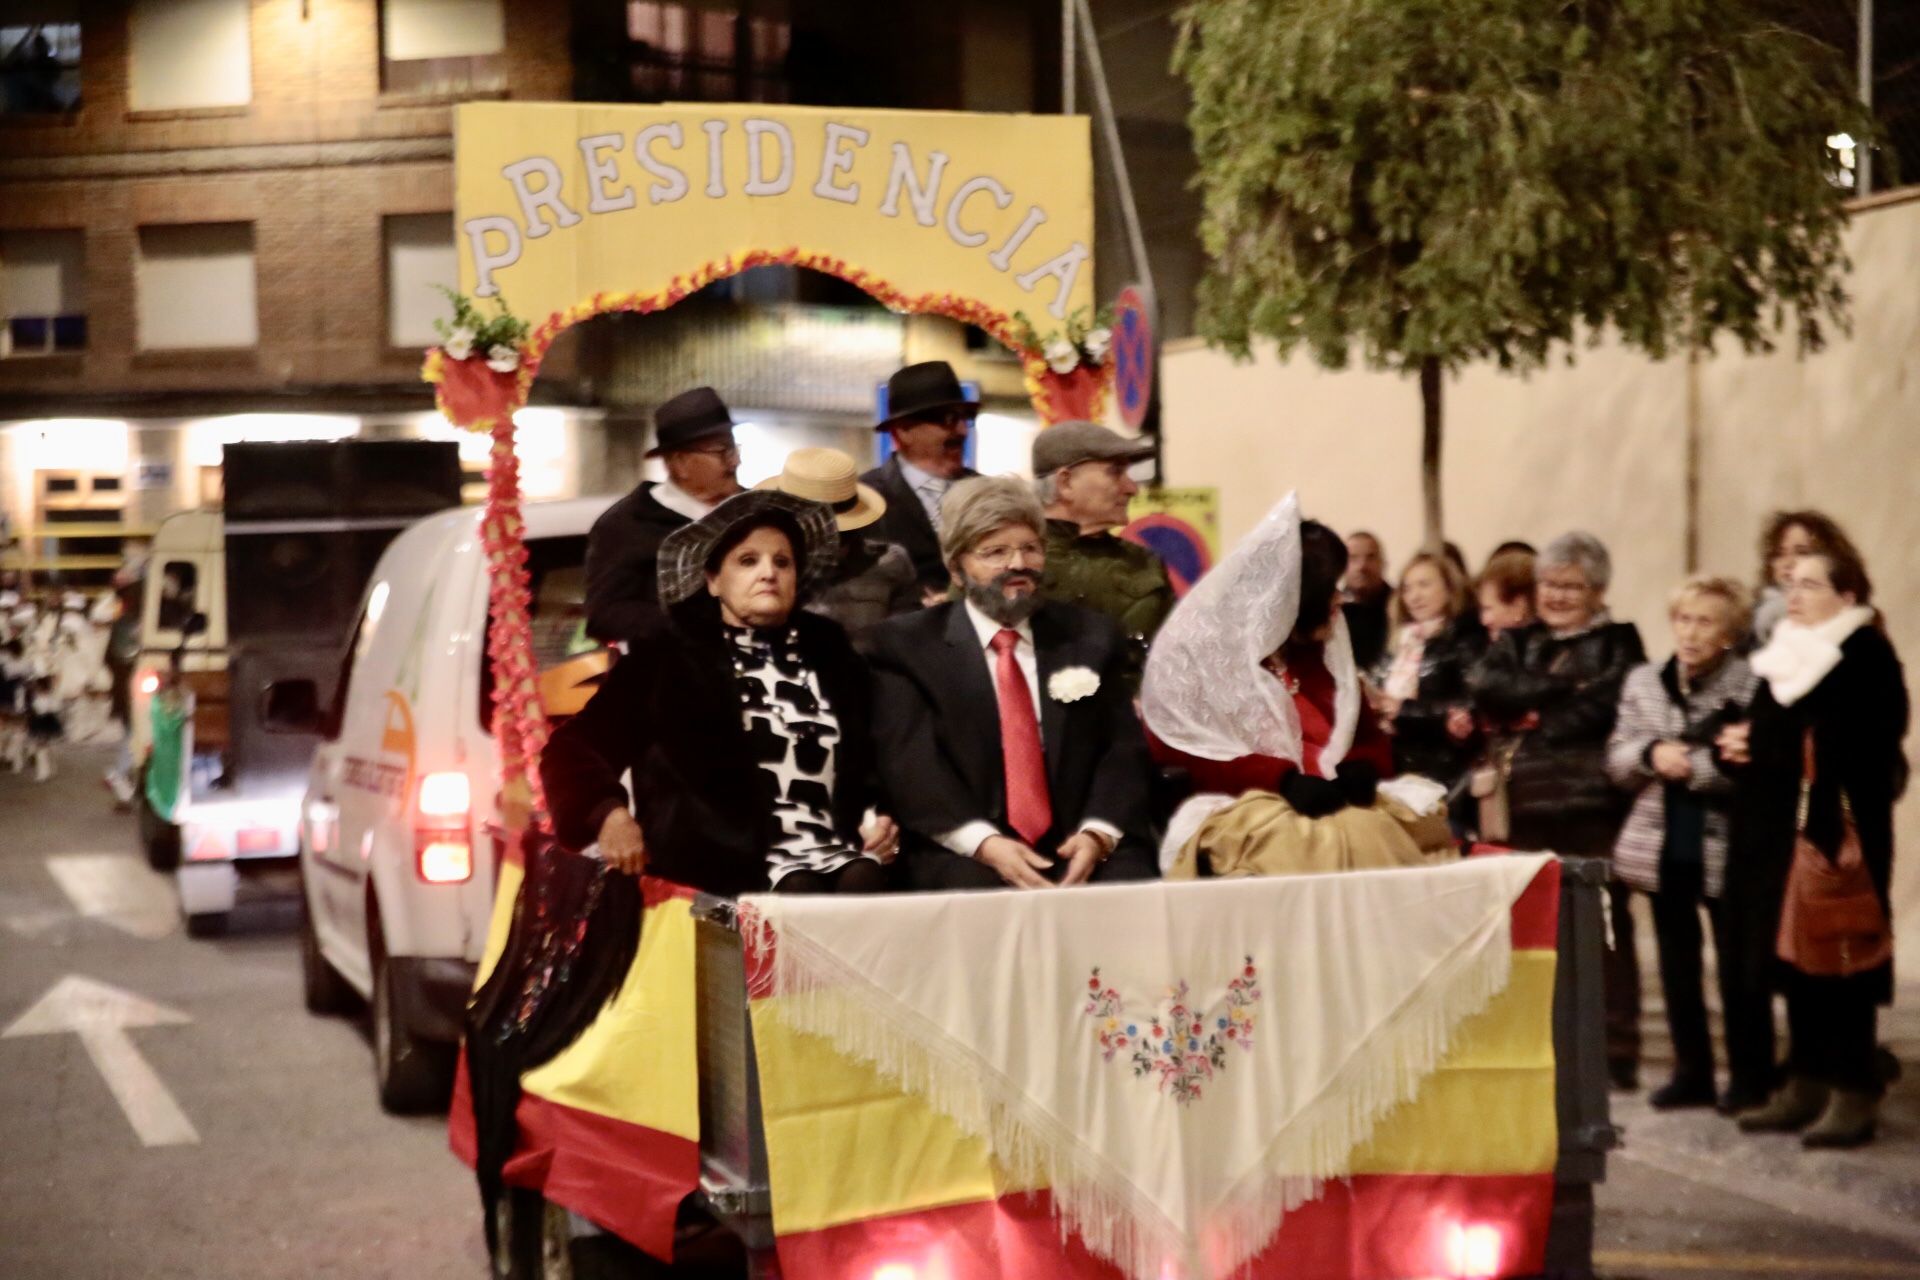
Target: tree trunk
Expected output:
[1430,450]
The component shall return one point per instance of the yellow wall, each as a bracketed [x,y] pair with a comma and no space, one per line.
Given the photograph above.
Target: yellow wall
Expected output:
[1601,446]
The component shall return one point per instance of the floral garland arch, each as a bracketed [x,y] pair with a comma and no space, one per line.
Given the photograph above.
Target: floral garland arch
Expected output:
[483,373]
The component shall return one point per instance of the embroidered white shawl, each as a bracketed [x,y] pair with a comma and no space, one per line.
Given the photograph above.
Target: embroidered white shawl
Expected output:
[1029,1019]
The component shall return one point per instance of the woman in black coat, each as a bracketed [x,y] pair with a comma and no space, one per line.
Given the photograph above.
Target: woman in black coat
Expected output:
[1830,669]
[744,726]
[1551,691]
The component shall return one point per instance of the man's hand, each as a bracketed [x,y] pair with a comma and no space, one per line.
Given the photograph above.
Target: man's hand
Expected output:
[622,847]
[1014,862]
[882,837]
[1459,724]
[1084,851]
[1735,743]
[1672,761]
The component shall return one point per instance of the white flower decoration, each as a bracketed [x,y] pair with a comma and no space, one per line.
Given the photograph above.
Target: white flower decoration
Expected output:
[1070,684]
[459,343]
[1062,356]
[502,358]
[1098,342]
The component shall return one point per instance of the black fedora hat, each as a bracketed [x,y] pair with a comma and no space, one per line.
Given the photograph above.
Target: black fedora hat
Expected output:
[924,389]
[689,417]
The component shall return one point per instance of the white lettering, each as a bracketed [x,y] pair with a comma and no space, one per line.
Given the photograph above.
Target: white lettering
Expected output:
[758,183]
[1002,257]
[486,263]
[601,170]
[837,160]
[671,183]
[969,189]
[546,196]
[1065,269]
[716,176]
[903,178]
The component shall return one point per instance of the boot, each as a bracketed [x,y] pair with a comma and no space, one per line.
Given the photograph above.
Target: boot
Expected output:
[1848,1121]
[1797,1105]
[1681,1092]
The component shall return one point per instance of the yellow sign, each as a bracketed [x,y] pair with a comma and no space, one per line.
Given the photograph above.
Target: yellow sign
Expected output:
[965,214]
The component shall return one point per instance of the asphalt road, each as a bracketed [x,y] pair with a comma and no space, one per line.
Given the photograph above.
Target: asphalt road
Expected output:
[273,1158]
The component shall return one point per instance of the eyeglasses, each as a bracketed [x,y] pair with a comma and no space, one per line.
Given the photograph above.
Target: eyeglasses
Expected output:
[999,557]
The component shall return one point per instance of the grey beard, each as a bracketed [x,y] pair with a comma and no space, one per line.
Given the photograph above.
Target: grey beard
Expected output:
[991,599]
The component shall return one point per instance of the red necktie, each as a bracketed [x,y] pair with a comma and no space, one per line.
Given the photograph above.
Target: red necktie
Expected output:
[1029,811]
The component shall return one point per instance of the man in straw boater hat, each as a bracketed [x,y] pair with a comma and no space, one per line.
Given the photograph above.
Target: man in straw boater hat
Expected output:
[930,418]
[1004,728]
[693,436]
[1080,470]
[874,579]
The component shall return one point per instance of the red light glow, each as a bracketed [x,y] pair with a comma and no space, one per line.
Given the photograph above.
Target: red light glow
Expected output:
[1473,1251]
[446,861]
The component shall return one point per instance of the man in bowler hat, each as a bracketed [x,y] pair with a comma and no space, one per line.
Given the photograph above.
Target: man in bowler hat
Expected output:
[929,418]
[693,437]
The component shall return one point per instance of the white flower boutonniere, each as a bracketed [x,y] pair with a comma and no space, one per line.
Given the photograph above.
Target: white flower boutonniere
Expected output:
[1072,684]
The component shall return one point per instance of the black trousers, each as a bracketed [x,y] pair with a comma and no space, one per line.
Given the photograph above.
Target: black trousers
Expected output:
[935,870]
[1676,925]
[1620,979]
[1749,921]
[1832,1024]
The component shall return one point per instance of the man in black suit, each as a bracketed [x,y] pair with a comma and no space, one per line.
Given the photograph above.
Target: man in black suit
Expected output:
[693,436]
[1007,740]
[930,418]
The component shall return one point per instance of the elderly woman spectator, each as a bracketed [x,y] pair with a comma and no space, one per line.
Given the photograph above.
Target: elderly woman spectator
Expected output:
[1674,844]
[1422,698]
[743,724]
[1788,535]
[1819,767]
[1552,688]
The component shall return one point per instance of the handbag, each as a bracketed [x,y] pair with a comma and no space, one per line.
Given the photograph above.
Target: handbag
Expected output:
[1488,785]
[1831,922]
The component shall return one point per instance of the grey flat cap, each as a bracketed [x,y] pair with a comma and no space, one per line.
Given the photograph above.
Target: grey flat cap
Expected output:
[1066,443]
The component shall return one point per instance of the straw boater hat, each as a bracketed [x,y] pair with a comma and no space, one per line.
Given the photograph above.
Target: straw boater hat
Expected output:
[684,554]
[831,478]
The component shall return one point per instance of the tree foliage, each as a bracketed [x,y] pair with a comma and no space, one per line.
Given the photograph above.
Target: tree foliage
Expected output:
[1459,180]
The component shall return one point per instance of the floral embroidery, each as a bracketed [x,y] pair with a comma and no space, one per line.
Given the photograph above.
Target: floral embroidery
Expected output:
[1176,1045]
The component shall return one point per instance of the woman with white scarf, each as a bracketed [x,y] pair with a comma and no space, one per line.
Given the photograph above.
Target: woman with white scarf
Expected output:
[1821,756]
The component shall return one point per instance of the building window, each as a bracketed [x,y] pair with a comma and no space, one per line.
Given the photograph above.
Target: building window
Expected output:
[421,261]
[449,47]
[685,51]
[186,55]
[195,287]
[40,59]
[42,292]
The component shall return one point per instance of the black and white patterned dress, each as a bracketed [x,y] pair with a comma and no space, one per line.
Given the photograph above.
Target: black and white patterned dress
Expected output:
[793,736]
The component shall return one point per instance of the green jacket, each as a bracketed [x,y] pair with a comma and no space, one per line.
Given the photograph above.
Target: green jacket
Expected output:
[1121,579]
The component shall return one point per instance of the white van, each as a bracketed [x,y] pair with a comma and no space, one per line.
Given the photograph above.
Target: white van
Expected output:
[397,854]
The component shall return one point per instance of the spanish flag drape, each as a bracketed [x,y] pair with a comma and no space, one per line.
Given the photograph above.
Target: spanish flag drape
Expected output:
[610,1128]
[870,1182]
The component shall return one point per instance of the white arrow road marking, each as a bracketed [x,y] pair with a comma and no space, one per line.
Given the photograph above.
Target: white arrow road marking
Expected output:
[117,889]
[101,1015]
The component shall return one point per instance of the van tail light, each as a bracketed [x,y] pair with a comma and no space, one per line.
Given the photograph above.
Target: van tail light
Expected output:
[148,683]
[442,830]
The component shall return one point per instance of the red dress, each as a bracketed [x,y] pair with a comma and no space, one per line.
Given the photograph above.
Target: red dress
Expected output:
[1313,700]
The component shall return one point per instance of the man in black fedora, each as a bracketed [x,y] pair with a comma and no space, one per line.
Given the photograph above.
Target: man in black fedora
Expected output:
[693,436]
[929,418]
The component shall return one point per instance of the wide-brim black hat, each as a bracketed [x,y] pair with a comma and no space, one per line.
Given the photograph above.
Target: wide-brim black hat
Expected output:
[922,389]
[688,418]
[684,554]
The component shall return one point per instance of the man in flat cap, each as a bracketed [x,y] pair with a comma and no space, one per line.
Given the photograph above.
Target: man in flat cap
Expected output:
[693,436]
[1081,472]
[930,419]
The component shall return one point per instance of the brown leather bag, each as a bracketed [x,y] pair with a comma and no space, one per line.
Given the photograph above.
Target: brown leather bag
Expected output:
[1831,924]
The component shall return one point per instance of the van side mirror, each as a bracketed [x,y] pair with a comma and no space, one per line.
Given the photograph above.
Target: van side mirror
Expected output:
[290,706]
[194,626]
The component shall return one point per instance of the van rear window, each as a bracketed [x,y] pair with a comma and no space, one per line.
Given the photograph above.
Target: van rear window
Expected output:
[563,655]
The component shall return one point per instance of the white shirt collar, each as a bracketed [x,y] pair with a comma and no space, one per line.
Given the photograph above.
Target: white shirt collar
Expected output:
[918,479]
[986,628]
[678,500]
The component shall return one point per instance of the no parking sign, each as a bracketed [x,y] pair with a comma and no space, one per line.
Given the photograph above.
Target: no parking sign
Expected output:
[1132,356]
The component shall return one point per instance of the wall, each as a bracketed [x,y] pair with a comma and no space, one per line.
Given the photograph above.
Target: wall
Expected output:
[1601,445]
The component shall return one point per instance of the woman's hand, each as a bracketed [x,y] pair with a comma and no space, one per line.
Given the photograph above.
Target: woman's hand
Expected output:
[1672,761]
[1735,743]
[882,837]
[1459,724]
[622,847]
